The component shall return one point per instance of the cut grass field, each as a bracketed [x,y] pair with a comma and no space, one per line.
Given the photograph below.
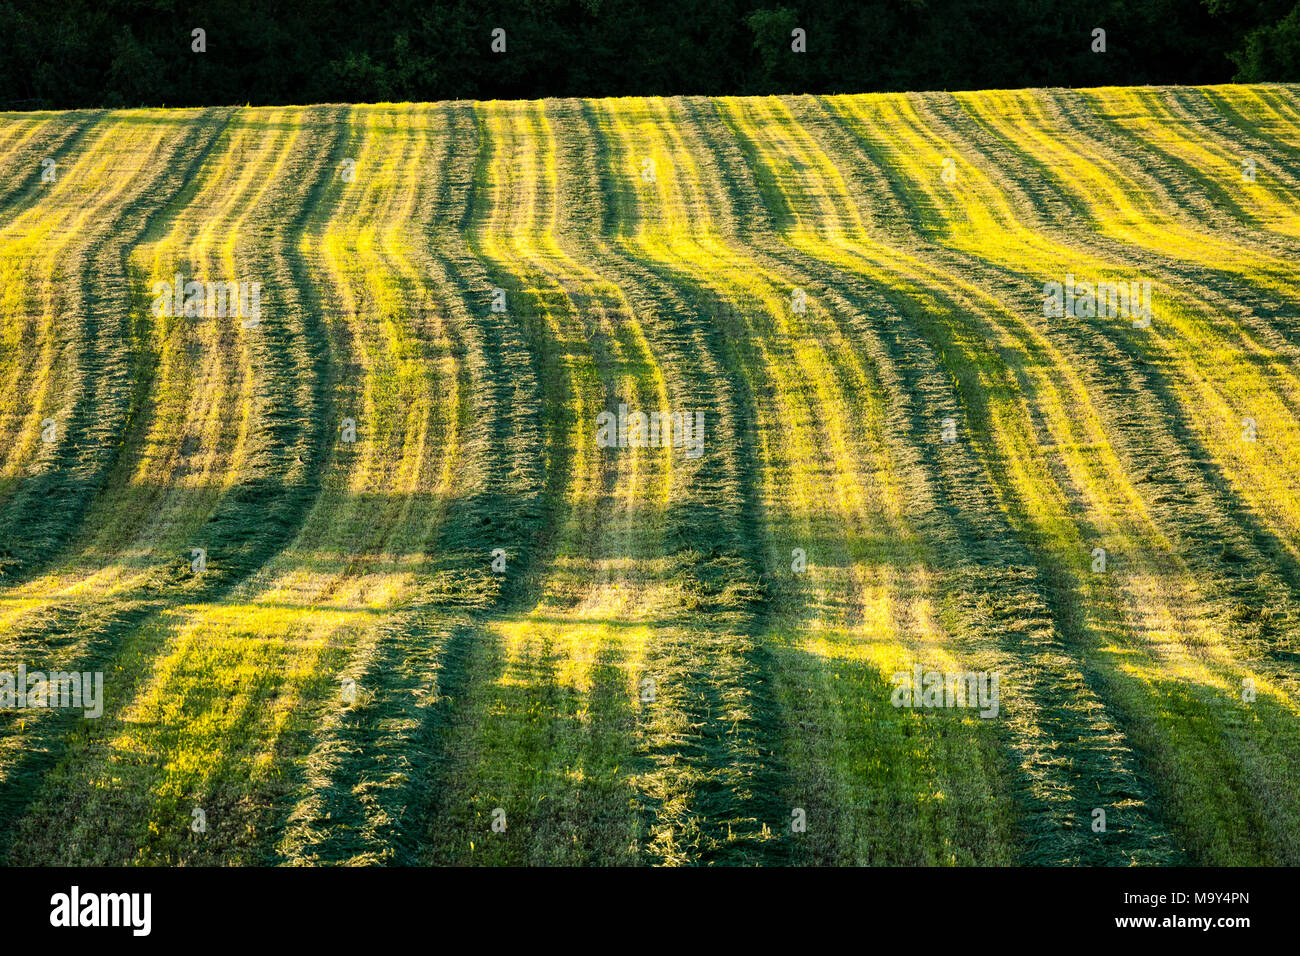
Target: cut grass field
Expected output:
[475,636]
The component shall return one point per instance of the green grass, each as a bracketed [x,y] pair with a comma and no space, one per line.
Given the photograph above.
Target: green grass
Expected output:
[649,252]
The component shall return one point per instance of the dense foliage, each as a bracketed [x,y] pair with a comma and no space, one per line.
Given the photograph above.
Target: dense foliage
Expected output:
[79,53]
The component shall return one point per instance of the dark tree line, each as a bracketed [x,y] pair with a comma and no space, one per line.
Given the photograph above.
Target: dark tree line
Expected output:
[81,53]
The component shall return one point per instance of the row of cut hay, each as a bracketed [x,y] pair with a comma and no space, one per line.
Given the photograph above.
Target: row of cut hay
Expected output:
[1150,586]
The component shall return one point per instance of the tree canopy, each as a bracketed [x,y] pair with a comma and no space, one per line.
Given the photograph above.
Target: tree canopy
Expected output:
[79,53]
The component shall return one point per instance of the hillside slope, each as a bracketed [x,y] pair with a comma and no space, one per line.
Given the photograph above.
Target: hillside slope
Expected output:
[366,585]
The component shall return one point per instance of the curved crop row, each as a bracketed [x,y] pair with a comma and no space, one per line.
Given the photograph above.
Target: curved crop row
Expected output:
[321,440]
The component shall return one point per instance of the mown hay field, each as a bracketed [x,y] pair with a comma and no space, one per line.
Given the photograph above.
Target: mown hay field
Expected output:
[367,583]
